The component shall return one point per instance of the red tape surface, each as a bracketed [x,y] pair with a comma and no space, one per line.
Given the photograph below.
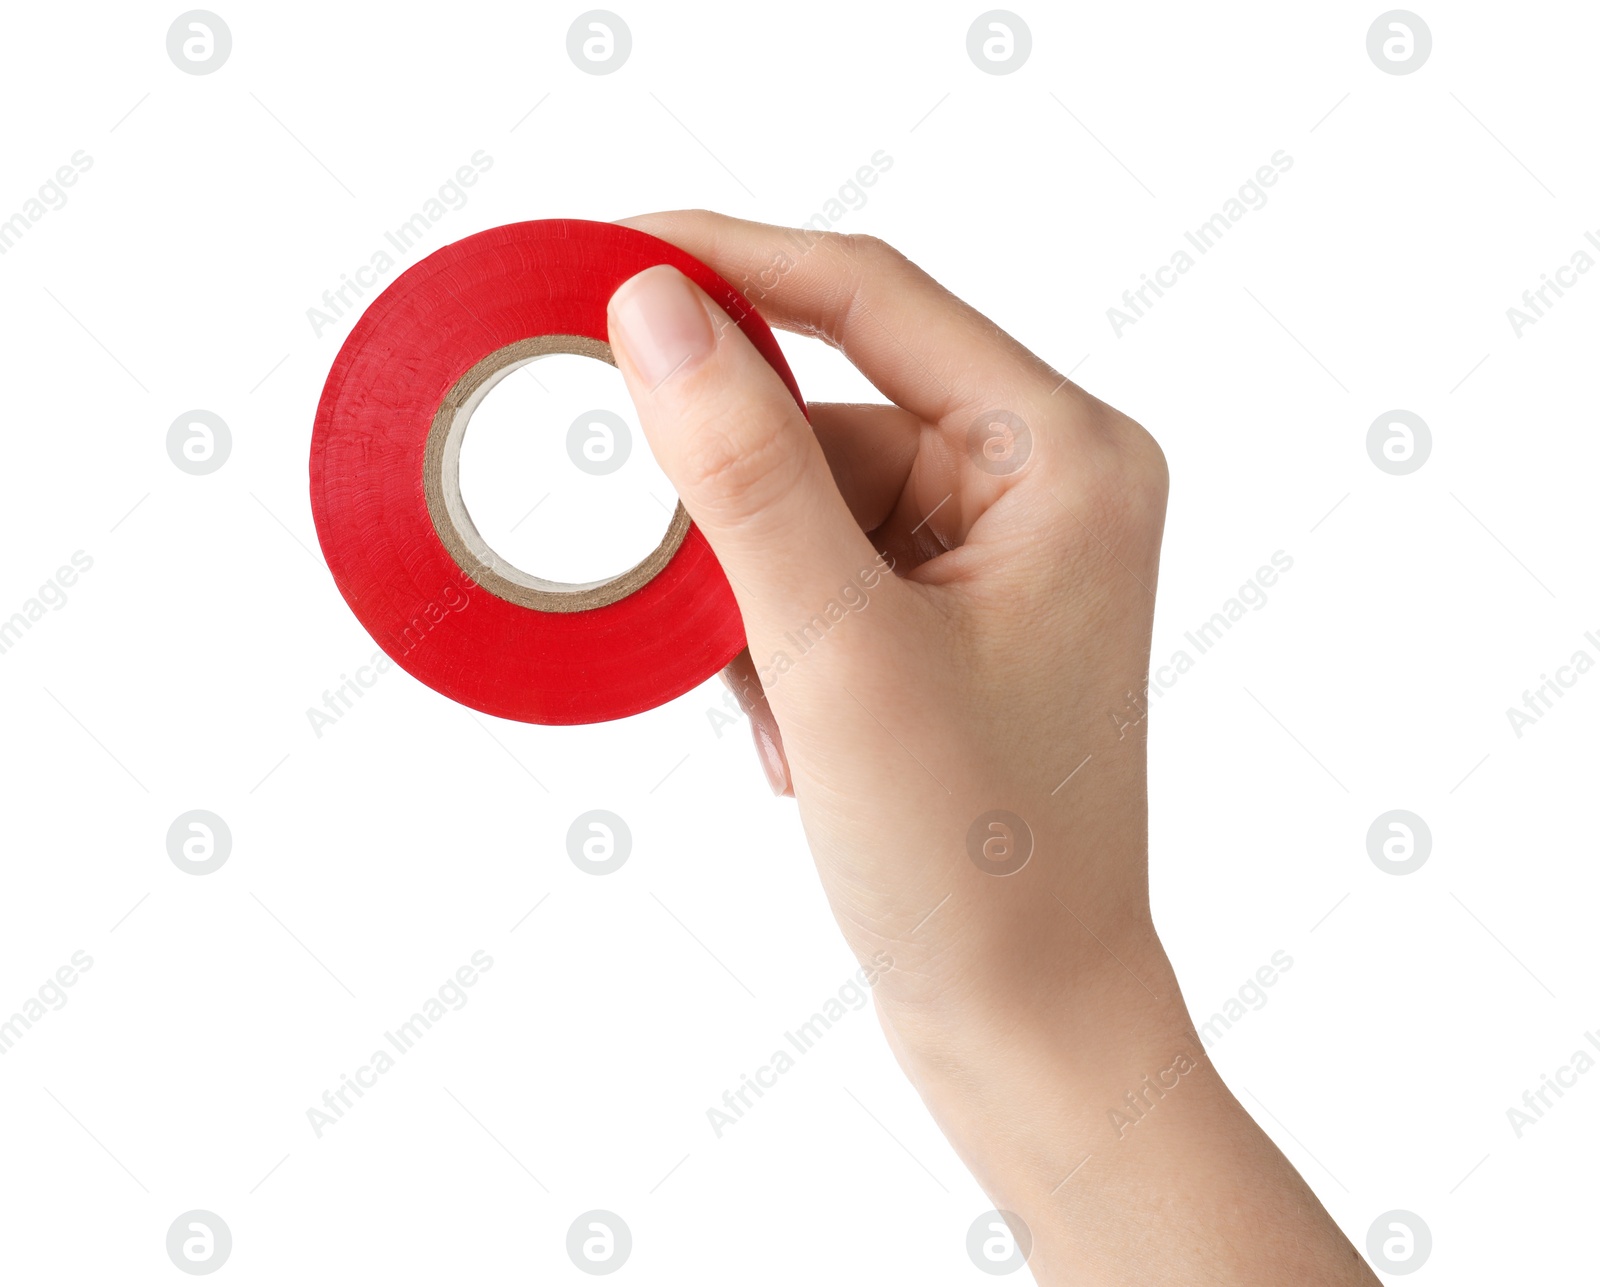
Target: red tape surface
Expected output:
[409,349]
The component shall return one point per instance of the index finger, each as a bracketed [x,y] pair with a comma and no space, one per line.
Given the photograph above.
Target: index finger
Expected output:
[920,345]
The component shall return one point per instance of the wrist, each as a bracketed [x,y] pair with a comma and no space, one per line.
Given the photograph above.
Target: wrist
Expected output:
[1103,1120]
[1027,1085]
[1080,992]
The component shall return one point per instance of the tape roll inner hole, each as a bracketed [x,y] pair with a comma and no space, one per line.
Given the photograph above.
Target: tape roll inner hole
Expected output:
[441,478]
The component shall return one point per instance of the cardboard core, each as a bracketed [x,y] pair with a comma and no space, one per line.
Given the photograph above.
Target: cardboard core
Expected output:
[441,482]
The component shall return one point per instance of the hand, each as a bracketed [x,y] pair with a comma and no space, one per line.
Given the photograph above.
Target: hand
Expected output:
[948,602]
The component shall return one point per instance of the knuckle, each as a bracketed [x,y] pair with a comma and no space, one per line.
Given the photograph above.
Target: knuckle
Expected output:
[869,254]
[1145,462]
[863,266]
[863,245]
[1125,480]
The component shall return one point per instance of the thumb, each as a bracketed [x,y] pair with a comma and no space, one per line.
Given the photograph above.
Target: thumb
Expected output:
[738,449]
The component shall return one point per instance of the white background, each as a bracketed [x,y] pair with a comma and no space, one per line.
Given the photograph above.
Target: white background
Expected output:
[369,863]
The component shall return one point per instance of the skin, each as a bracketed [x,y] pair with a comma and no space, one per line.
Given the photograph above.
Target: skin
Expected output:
[1036,1012]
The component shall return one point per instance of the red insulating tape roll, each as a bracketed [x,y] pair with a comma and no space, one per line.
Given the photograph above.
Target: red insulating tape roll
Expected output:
[412,350]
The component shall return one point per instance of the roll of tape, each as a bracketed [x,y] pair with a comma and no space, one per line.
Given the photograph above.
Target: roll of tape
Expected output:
[397,536]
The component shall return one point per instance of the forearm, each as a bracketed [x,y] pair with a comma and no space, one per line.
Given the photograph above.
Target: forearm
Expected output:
[1106,1128]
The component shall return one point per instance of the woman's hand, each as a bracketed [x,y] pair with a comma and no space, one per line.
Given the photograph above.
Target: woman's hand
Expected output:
[948,602]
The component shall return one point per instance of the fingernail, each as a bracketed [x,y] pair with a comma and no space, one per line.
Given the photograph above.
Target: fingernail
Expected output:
[661,323]
[772,761]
